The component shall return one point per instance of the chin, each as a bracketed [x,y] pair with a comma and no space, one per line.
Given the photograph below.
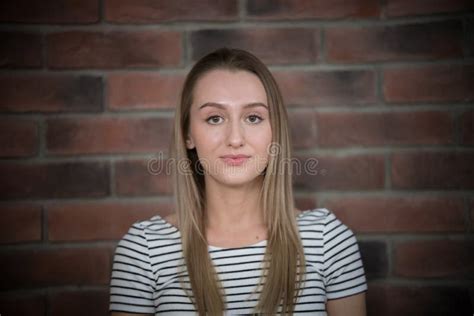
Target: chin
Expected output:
[235,176]
[236,180]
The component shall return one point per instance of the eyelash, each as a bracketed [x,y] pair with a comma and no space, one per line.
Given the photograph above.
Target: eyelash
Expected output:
[251,115]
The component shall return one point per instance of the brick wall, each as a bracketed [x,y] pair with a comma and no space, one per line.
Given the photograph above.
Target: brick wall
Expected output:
[380,92]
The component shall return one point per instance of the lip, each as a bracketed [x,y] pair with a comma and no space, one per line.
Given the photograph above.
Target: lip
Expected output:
[235,160]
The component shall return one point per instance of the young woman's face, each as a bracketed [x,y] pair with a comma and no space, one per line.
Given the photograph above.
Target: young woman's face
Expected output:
[229,118]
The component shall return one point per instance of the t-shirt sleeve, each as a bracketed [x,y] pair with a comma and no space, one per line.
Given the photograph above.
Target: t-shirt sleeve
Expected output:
[132,282]
[344,273]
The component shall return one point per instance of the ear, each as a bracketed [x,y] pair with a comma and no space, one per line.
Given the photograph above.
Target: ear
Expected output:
[189,143]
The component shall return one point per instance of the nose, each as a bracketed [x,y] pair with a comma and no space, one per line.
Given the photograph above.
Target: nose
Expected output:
[236,135]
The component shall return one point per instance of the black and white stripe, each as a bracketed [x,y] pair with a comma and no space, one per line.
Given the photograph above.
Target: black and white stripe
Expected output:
[145,269]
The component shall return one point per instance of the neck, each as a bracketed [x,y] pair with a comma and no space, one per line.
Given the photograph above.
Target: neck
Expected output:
[233,208]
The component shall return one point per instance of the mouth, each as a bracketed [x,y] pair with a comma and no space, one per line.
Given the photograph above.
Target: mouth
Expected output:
[235,160]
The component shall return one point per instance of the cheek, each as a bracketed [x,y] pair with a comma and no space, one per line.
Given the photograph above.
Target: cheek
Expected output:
[266,138]
[263,150]
[262,145]
[205,139]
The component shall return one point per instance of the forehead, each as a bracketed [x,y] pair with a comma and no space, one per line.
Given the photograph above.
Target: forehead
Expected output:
[229,86]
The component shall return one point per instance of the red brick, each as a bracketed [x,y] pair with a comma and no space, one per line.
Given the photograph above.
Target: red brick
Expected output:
[400,214]
[54,267]
[50,11]
[305,203]
[98,221]
[114,49]
[50,93]
[395,300]
[272,46]
[327,88]
[143,177]
[311,9]
[425,41]
[145,11]
[20,50]
[435,259]
[143,91]
[53,180]
[79,302]
[355,172]
[303,129]
[20,222]
[440,83]
[104,135]
[467,128]
[433,170]
[389,128]
[24,304]
[19,138]
[409,7]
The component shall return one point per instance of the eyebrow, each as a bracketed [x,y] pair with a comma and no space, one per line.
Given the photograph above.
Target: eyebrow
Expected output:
[223,106]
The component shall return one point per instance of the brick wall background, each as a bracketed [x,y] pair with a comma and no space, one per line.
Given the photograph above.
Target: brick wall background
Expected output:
[380,92]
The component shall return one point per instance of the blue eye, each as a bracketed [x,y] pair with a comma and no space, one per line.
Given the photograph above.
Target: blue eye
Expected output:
[212,119]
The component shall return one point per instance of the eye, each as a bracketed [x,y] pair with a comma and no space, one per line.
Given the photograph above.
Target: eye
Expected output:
[254,119]
[214,120]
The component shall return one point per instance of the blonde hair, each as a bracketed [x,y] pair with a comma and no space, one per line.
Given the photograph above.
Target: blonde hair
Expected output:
[285,273]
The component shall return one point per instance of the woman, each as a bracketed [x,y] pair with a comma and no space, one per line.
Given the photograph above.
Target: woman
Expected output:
[236,244]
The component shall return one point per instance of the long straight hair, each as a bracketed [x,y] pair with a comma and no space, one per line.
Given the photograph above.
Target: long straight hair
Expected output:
[284,263]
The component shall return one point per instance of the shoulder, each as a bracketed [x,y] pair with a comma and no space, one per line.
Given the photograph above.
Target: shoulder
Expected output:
[155,225]
[312,223]
[323,222]
[316,215]
[143,234]
[172,219]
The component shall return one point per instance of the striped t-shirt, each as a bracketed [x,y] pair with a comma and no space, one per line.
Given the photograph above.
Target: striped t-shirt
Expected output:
[145,268]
